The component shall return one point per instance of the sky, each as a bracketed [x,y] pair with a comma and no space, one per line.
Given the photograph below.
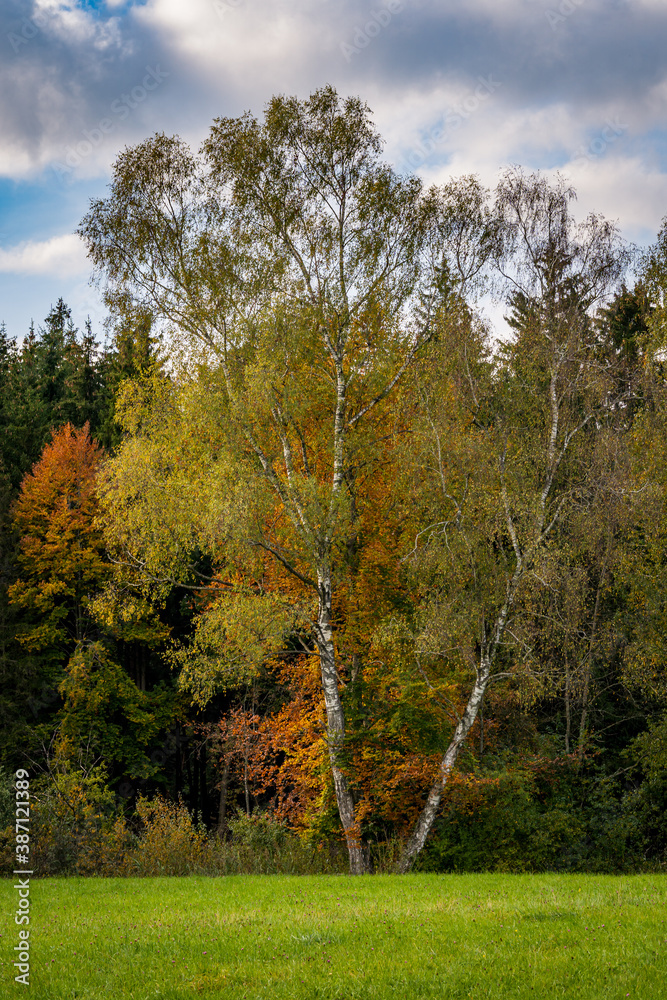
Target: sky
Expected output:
[455,87]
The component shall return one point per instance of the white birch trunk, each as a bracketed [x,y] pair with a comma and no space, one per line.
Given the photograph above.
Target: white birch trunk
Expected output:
[427,816]
[490,644]
[336,726]
[490,647]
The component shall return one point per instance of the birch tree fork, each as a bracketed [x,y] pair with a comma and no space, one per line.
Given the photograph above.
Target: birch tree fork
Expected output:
[518,465]
[297,270]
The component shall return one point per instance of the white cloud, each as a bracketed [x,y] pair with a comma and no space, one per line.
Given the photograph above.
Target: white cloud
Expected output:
[224,56]
[249,46]
[623,188]
[61,257]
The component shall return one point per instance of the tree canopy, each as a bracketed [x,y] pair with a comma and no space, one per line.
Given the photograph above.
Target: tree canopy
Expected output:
[309,534]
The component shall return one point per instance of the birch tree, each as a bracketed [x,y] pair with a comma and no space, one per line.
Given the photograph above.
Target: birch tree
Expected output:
[519,462]
[298,275]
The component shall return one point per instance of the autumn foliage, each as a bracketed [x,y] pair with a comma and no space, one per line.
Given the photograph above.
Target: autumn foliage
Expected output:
[61,552]
[347,564]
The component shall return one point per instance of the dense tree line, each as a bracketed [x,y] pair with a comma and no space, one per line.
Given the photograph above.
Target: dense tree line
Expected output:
[325,546]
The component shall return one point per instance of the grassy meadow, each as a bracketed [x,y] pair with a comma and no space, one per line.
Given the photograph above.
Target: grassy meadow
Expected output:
[342,938]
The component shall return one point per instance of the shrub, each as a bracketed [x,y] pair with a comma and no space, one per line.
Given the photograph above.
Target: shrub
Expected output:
[169,843]
[74,825]
[258,831]
[75,828]
[550,816]
[645,815]
[260,845]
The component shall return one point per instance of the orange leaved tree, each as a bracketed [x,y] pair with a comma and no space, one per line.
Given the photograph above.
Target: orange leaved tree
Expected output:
[61,554]
[63,568]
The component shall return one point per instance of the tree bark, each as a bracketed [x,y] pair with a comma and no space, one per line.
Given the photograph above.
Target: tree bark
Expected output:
[427,817]
[336,727]
[203,784]
[246,788]
[195,785]
[178,770]
[222,808]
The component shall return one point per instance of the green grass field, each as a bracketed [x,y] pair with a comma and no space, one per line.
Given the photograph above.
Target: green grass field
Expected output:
[341,938]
